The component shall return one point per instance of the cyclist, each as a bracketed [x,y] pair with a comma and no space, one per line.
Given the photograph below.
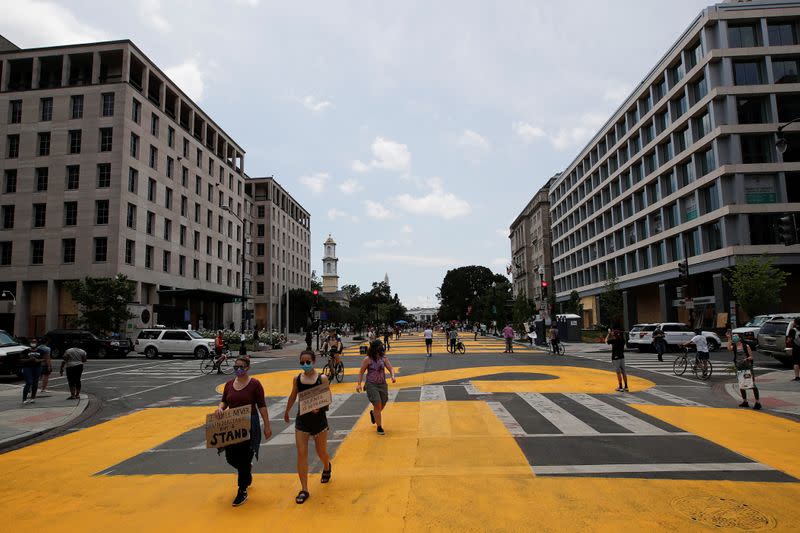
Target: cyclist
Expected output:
[219,351]
[701,345]
[333,346]
[453,335]
[554,340]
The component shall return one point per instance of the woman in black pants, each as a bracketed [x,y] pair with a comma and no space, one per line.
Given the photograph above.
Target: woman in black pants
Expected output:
[734,345]
[240,392]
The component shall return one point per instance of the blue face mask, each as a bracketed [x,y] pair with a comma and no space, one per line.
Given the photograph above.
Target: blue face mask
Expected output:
[241,371]
[735,339]
[307,366]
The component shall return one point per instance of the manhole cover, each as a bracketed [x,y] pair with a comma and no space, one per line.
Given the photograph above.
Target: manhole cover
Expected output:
[723,513]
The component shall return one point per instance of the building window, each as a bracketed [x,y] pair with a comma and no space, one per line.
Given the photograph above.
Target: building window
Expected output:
[15,111]
[44,143]
[707,163]
[208,272]
[195,269]
[199,159]
[782,34]
[196,241]
[186,148]
[103,175]
[168,198]
[46,109]
[756,148]
[742,35]
[108,105]
[151,189]
[131,217]
[133,180]
[37,252]
[134,146]
[763,228]
[260,210]
[260,249]
[39,215]
[10,181]
[181,265]
[68,251]
[184,206]
[260,269]
[8,216]
[748,72]
[150,222]
[153,159]
[165,260]
[753,109]
[785,71]
[73,177]
[184,176]
[170,167]
[101,212]
[681,106]
[76,106]
[703,125]
[710,196]
[70,213]
[700,89]
[130,252]
[148,257]
[5,253]
[154,125]
[259,287]
[12,146]
[197,213]
[106,139]
[167,229]
[136,110]
[74,141]
[171,137]
[182,235]
[198,185]
[42,174]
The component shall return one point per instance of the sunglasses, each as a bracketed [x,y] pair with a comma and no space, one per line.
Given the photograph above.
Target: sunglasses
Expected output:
[305,362]
[236,367]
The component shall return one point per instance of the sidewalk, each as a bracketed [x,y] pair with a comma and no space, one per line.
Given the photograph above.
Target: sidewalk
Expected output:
[777,390]
[22,422]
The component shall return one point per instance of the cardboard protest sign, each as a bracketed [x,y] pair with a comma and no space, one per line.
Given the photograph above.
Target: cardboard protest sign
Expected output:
[231,428]
[315,398]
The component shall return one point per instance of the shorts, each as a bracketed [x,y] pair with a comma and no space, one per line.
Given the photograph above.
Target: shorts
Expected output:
[618,364]
[312,423]
[377,392]
[703,356]
[795,355]
[428,342]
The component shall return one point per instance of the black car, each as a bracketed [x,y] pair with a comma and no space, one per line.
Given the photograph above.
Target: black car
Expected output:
[10,352]
[93,344]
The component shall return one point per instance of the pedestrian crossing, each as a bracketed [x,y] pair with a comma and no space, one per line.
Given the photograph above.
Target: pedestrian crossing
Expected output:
[414,344]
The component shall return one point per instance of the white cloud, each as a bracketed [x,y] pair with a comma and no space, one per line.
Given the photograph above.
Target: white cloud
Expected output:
[437,202]
[150,12]
[350,186]
[316,182]
[189,78]
[250,3]
[474,141]
[386,155]
[336,214]
[315,104]
[527,132]
[406,229]
[376,210]
[28,23]
[564,137]
[381,243]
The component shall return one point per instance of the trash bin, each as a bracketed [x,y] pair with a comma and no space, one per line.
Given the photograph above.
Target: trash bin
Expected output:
[541,332]
[569,327]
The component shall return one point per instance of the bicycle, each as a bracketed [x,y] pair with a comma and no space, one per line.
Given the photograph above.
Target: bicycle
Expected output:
[682,361]
[460,348]
[212,363]
[332,369]
[558,350]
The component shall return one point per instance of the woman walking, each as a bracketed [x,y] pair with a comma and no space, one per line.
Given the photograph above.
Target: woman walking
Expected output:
[375,365]
[47,363]
[746,363]
[312,424]
[73,360]
[31,364]
[240,392]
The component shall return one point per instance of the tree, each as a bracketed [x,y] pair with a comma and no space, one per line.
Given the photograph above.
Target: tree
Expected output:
[524,309]
[574,305]
[351,290]
[316,284]
[611,308]
[471,285]
[102,302]
[756,284]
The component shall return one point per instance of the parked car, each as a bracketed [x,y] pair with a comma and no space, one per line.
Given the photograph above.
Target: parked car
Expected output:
[749,332]
[675,334]
[10,352]
[155,342]
[774,341]
[94,344]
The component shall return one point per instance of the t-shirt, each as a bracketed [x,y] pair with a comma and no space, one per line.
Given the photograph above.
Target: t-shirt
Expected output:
[508,332]
[553,333]
[453,334]
[700,343]
[617,347]
[251,394]
[428,333]
[74,357]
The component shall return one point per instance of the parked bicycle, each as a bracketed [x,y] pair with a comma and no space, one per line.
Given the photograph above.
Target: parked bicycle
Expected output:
[460,348]
[682,362]
[558,349]
[215,362]
[332,369]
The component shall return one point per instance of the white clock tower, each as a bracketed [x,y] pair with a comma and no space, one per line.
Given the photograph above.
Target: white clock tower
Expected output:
[330,277]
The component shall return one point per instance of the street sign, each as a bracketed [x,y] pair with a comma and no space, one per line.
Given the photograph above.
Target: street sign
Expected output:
[689,303]
[316,315]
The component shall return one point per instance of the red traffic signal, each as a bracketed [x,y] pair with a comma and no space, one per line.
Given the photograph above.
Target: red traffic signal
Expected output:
[544,284]
[315,292]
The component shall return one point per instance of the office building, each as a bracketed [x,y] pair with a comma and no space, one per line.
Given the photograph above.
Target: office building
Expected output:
[687,167]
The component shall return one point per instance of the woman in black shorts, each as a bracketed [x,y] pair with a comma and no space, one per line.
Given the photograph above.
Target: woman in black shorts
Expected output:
[312,424]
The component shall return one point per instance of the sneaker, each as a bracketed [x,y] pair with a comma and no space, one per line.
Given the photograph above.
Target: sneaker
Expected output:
[757,406]
[796,379]
[240,498]
[619,389]
[624,389]
[744,404]
[372,416]
[25,402]
[32,400]
[381,431]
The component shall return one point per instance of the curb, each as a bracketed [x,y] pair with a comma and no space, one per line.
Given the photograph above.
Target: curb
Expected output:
[90,407]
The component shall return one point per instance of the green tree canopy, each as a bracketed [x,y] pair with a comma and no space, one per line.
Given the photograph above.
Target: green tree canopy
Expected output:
[467,286]
[574,305]
[611,303]
[103,302]
[756,284]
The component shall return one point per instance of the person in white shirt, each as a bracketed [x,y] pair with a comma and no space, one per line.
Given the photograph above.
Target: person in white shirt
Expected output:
[701,344]
[428,334]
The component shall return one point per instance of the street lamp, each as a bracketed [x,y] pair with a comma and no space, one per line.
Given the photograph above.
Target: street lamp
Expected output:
[242,347]
[6,294]
[494,307]
[781,143]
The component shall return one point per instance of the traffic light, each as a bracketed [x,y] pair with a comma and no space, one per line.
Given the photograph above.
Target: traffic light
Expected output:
[315,292]
[544,288]
[787,230]
[683,269]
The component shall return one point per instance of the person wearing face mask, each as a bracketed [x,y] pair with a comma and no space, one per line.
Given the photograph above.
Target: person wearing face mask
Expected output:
[375,365]
[735,343]
[312,424]
[240,392]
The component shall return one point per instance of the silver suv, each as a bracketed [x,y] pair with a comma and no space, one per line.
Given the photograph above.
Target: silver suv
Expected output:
[155,342]
[774,340]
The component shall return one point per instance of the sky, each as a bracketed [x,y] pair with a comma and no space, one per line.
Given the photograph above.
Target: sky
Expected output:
[414,132]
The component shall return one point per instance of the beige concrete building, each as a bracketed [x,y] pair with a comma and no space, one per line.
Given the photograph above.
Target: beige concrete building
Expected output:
[109,168]
[531,252]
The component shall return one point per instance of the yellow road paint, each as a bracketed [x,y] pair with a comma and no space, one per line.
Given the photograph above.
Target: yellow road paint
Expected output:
[765,438]
[566,379]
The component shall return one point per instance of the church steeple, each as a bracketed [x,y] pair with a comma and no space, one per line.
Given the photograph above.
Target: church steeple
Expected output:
[386,278]
[330,276]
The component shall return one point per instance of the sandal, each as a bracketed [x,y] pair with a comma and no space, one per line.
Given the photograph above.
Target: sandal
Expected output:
[301,497]
[326,474]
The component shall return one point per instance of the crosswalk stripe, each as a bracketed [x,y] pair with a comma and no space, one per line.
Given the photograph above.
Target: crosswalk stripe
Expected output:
[337,401]
[619,417]
[432,393]
[565,421]
[639,468]
[672,398]
[276,409]
[506,418]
